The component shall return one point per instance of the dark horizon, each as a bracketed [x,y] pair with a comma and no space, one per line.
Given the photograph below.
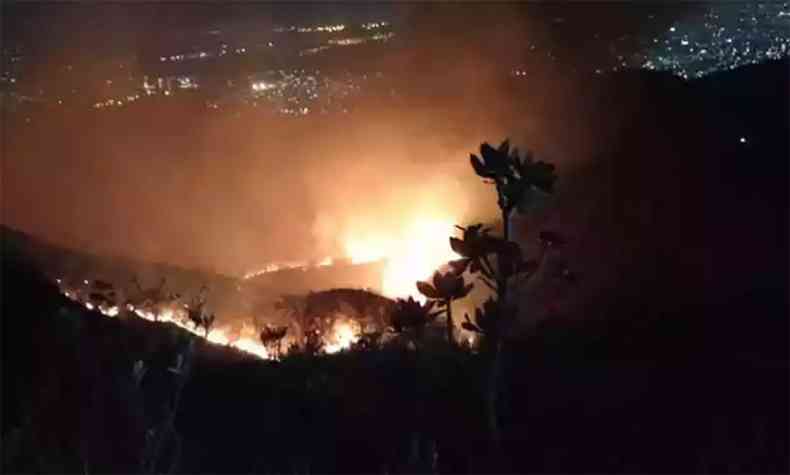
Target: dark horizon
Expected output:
[123,28]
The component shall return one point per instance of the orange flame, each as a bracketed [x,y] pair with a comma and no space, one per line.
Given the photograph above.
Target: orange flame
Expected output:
[411,255]
[344,334]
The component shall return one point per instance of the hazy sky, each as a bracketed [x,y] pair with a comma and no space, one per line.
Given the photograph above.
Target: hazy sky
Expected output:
[124,26]
[224,193]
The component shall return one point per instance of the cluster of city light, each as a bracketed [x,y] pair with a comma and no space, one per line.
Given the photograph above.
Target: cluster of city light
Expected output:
[300,92]
[383,36]
[350,41]
[295,98]
[187,83]
[310,29]
[346,41]
[312,51]
[114,102]
[374,25]
[262,86]
[182,57]
[729,36]
[294,110]
[322,29]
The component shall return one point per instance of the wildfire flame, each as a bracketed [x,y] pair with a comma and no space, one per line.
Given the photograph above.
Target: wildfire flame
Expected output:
[218,336]
[411,255]
[289,265]
[276,266]
[344,333]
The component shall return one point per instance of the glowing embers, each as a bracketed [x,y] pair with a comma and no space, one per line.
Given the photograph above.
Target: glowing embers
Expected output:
[342,335]
[289,265]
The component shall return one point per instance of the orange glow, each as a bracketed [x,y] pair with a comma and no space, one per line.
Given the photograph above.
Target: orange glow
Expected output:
[412,254]
[276,266]
[246,342]
[344,334]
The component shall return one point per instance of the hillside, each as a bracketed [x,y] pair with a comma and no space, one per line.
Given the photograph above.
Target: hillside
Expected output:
[676,210]
[231,297]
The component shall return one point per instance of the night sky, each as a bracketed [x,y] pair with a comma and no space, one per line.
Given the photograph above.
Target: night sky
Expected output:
[128,27]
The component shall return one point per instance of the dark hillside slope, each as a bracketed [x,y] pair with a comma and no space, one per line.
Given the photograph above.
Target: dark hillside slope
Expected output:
[677,215]
[678,332]
[56,261]
[70,399]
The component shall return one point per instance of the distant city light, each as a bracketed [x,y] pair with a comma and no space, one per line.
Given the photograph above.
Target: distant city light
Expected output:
[261,86]
[346,41]
[731,35]
[321,28]
[374,25]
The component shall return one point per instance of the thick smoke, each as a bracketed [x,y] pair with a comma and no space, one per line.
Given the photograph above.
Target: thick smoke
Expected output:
[179,185]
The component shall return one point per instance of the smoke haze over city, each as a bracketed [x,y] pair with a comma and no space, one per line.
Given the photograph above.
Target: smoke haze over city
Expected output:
[205,178]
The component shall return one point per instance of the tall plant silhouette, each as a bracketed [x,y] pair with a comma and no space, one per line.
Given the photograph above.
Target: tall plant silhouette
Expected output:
[197,314]
[521,183]
[411,316]
[446,288]
[272,337]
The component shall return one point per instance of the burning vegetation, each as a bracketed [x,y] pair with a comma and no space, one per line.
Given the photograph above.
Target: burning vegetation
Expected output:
[334,320]
[425,271]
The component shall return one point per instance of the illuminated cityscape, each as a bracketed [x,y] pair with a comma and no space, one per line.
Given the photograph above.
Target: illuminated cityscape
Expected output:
[725,36]
[730,35]
[286,90]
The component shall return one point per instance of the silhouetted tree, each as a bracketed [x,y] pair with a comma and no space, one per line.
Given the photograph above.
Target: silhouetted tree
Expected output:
[446,288]
[317,311]
[370,340]
[163,386]
[272,337]
[409,315]
[294,307]
[520,183]
[196,312]
[152,298]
